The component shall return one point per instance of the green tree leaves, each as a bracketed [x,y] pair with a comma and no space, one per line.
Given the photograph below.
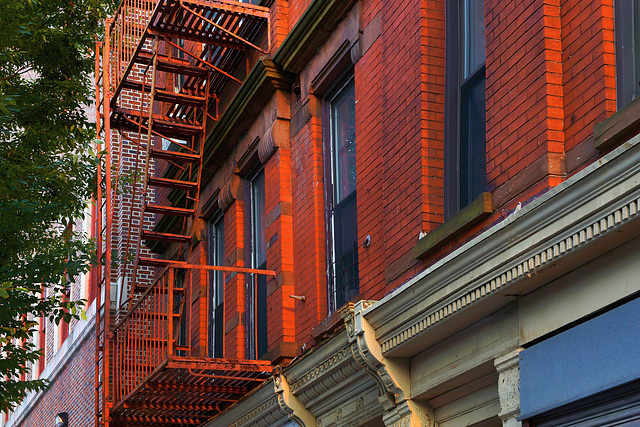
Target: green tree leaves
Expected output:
[47,170]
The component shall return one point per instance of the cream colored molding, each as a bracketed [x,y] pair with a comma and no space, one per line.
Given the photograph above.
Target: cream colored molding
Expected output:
[392,376]
[332,372]
[524,269]
[260,416]
[509,387]
[350,412]
[523,252]
[332,384]
[290,403]
[260,408]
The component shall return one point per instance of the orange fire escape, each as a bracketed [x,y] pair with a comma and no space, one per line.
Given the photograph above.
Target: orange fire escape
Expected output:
[160,73]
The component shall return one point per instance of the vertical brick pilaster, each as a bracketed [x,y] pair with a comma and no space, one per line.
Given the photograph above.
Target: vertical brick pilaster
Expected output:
[279,23]
[279,223]
[432,45]
[308,220]
[234,287]
[525,112]
[588,62]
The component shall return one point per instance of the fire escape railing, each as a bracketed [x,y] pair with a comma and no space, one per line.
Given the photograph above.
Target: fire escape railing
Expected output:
[165,323]
[128,26]
[165,63]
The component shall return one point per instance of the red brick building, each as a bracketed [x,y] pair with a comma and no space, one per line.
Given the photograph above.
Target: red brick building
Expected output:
[415,177]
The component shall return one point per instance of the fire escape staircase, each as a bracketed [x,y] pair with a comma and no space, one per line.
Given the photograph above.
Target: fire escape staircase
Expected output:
[164,65]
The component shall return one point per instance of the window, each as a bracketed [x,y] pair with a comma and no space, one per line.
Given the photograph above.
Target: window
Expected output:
[181,308]
[465,104]
[216,289]
[179,79]
[257,285]
[340,157]
[627,27]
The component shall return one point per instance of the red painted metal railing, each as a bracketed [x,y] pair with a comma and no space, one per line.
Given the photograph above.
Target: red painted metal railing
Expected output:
[127,28]
[163,324]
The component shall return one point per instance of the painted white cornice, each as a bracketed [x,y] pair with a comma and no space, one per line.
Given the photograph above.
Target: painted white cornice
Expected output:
[260,408]
[333,385]
[587,215]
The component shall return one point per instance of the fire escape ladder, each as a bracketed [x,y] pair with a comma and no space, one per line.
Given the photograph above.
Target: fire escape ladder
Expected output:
[164,66]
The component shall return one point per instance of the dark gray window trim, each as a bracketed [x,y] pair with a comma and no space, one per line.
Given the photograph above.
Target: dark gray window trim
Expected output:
[330,94]
[627,41]
[251,295]
[214,239]
[453,82]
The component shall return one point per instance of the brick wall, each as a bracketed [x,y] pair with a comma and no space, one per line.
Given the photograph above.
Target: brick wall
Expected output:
[234,288]
[308,217]
[71,391]
[550,77]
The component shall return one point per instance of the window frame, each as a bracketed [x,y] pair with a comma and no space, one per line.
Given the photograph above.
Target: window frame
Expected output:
[456,83]
[333,94]
[256,330]
[627,46]
[216,286]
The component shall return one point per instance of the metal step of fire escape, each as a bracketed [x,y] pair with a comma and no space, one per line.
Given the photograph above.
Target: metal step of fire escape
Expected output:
[174,156]
[165,237]
[154,262]
[179,98]
[173,65]
[169,210]
[173,183]
[130,120]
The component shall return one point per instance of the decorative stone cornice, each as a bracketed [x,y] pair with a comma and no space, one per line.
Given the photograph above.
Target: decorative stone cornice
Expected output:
[312,29]
[325,375]
[365,354]
[231,191]
[332,385]
[508,369]
[276,136]
[393,378]
[260,408]
[290,403]
[518,255]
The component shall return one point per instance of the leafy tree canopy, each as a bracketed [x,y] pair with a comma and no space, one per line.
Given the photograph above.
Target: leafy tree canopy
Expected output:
[47,170]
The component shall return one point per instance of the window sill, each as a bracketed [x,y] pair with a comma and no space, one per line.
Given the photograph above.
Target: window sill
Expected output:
[480,208]
[618,128]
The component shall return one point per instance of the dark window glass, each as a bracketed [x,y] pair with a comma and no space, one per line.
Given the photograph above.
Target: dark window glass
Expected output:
[474,38]
[343,262]
[627,28]
[257,303]
[465,108]
[182,310]
[216,290]
[179,79]
[343,118]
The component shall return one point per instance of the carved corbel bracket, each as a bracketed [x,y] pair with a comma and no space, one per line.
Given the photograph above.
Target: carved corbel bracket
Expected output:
[393,377]
[508,368]
[276,136]
[367,352]
[289,403]
[230,192]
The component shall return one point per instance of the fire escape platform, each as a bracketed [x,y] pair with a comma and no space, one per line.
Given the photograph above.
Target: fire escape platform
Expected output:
[189,391]
[167,63]
[225,26]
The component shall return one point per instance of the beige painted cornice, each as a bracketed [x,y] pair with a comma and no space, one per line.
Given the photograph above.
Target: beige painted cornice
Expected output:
[582,218]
